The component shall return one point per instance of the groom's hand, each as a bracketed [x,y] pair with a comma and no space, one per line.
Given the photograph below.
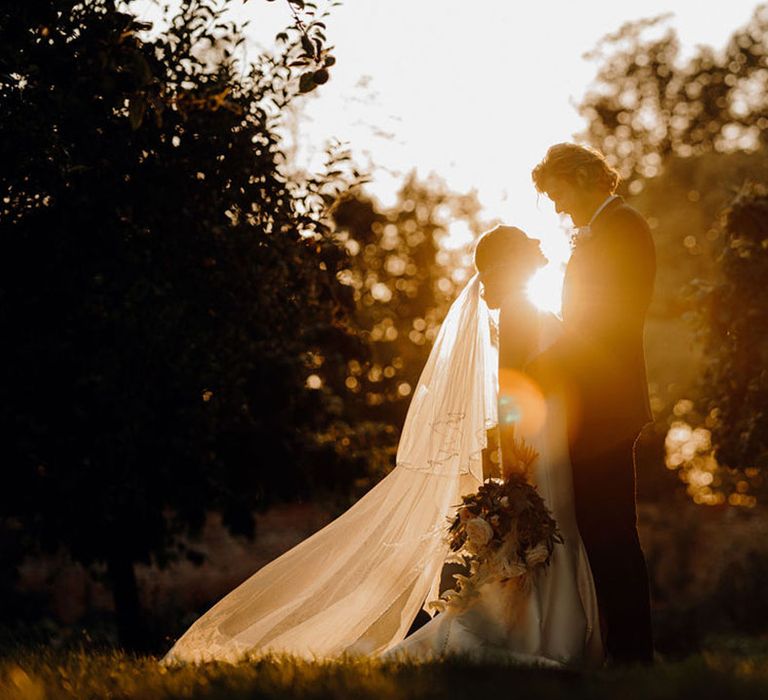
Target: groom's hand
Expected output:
[544,369]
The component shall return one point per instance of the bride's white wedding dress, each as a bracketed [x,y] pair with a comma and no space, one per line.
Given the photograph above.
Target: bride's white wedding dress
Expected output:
[355,586]
[552,621]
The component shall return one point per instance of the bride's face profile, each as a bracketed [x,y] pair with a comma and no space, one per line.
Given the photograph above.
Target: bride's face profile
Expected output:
[505,258]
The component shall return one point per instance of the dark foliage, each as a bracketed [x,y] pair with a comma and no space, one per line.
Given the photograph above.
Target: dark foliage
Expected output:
[734,328]
[162,283]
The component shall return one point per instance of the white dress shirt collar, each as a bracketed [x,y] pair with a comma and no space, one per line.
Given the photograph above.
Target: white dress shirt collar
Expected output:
[584,232]
[607,201]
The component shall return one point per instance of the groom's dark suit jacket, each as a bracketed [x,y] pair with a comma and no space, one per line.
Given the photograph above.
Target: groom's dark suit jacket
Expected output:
[606,293]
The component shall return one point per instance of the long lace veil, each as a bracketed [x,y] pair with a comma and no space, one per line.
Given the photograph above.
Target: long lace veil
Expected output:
[356,585]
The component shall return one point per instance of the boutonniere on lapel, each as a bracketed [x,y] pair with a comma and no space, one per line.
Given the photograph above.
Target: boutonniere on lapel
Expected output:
[581,234]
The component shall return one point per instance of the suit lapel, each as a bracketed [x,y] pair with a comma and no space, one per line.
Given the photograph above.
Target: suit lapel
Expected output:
[578,269]
[599,223]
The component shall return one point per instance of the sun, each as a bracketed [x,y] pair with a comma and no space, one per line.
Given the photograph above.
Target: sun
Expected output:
[545,288]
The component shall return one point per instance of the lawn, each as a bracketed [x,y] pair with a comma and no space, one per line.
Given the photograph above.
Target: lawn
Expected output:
[728,671]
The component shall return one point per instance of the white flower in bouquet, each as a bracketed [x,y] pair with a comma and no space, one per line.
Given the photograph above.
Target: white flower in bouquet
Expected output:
[510,568]
[494,531]
[479,533]
[536,555]
[506,562]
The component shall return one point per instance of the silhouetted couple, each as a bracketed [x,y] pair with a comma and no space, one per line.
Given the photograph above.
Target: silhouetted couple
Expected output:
[357,584]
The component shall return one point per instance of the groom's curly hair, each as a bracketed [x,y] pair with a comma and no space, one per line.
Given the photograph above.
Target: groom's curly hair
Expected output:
[580,165]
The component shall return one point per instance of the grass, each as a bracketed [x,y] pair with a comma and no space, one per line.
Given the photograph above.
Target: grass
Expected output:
[731,670]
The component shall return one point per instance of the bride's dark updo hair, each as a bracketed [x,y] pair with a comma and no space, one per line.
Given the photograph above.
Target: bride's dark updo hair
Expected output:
[507,245]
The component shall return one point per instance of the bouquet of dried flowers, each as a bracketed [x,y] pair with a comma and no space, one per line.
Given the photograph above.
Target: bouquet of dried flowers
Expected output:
[503,531]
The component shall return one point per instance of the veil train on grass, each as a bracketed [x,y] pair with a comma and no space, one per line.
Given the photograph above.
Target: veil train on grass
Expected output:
[356,585]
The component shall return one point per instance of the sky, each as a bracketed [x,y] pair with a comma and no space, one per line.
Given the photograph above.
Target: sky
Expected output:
[474,92]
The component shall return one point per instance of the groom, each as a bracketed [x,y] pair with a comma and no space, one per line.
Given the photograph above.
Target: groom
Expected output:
[606,293]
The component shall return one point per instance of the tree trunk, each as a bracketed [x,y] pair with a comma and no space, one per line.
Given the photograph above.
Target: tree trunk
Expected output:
[128,613]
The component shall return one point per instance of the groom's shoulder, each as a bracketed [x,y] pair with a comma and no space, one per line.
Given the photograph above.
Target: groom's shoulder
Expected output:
[624,219]
[626,214]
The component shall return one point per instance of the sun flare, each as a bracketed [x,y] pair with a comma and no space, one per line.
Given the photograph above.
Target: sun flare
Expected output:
[545,288]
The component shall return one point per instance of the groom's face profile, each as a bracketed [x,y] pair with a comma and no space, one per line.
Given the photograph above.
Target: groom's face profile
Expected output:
[570,199]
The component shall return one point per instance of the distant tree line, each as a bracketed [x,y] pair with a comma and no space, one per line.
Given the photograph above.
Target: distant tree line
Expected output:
[689,137]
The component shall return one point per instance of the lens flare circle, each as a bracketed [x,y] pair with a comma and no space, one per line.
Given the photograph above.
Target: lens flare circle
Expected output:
[521,401]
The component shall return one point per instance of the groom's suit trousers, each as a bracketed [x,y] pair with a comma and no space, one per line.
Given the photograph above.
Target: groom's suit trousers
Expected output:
[604,493]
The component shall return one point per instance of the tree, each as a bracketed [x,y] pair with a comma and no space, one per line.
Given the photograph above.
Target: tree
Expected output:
[403,270]
[683,205]
[646,105]
[737,327]
[686,136]
[733,389]
[163,284]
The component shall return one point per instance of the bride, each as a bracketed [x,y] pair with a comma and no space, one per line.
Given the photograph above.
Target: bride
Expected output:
[356,585]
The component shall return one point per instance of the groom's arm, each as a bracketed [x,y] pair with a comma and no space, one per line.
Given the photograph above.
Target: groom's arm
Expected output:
[615,298]
[612,304]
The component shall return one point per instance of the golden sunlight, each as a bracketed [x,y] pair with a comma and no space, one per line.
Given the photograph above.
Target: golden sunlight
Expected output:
[458,235]
[545,288]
